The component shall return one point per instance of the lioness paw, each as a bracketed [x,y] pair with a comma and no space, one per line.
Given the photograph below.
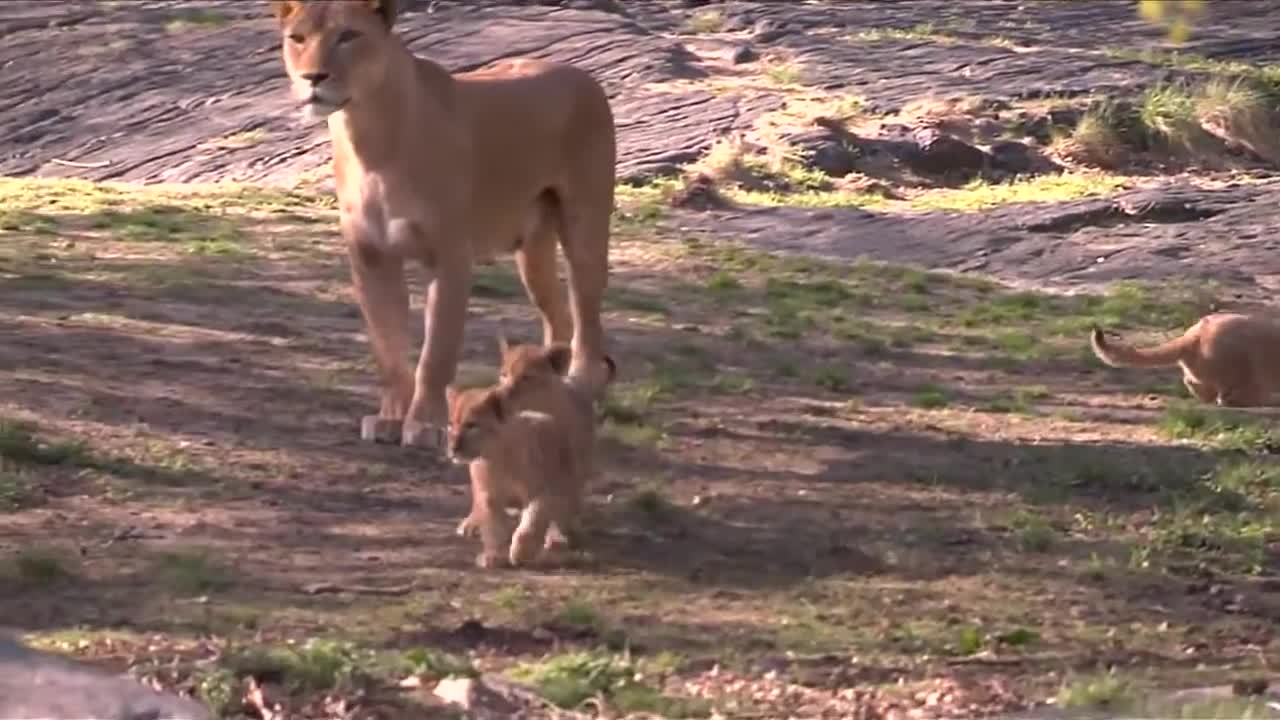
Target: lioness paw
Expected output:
[420,434]
[485,561]
[467,527]
[377,429]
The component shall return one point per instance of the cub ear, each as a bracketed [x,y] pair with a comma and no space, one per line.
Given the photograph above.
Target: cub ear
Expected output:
[612,367]
[558,356]
[497,405]
[503,345]
[386,9]
[284,9]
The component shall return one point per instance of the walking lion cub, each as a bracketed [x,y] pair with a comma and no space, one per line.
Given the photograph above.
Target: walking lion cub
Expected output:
[1226,358]
[535,378]
[521,458]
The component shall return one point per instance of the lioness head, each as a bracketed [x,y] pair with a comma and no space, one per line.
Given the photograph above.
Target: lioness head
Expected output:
[475,415]
[525,360]
[333,49]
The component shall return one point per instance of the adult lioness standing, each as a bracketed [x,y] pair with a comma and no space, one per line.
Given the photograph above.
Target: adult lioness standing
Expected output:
[448,170]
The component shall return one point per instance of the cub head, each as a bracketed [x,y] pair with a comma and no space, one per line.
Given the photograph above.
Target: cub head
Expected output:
[475,416]
[528,360]
[333,49]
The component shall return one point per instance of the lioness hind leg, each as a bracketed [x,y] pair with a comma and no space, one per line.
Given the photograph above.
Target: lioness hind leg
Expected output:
[1243,395]
[536,261]
[1204,393]
[585,237]
[380,290]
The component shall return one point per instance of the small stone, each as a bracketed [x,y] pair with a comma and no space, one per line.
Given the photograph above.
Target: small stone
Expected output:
[744,54]
[458,691]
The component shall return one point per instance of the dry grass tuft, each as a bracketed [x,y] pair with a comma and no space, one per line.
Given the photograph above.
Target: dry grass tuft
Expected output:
[1237,113]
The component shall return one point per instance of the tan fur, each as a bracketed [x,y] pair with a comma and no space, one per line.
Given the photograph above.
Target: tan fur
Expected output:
[533,379]
[520,458]
[1226,358]
[447,170]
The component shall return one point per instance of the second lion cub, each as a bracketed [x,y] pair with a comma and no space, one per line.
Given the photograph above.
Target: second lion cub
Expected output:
[520,458]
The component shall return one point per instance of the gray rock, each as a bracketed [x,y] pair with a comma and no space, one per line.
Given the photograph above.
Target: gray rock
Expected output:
[744,54]
[37,684]
[942,154]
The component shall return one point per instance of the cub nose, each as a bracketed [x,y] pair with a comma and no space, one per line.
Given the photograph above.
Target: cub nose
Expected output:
[315,78]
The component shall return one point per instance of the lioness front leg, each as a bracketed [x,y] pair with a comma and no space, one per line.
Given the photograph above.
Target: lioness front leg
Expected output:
[445,317]
[380,290]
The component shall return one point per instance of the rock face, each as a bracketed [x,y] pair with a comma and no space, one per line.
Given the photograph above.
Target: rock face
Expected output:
[135,98]
[35,684]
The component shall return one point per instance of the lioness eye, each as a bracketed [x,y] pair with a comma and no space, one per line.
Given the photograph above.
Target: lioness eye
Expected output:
[347,36]
[296,38]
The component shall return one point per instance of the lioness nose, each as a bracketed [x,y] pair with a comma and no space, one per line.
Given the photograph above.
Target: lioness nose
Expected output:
[315,78]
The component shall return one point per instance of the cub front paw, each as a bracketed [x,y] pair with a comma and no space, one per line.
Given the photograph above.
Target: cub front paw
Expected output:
[377,429]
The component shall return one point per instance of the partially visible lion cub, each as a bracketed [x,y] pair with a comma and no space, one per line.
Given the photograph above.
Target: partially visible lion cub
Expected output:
[1226,358]
[519,458]
[535,378]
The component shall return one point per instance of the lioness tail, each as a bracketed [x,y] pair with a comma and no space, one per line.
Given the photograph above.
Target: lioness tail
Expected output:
[1161,355]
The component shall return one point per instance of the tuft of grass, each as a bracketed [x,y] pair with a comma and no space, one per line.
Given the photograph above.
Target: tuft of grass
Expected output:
[238,140]
[438,665]
[39,566]
[1033,532]
[218,688]
[15,489]
[20,445]
[570,679]
[784,73]
[706,20]
[1106,691]
[196,18]
[1167,113]
[580,614]
[930,397]
[1238,112]
[314,665]
[191,572]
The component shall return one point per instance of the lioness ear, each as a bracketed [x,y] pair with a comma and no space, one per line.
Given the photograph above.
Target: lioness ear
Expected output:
[284,9]
[503,345]
[558,356]
[450,394]
[386,9]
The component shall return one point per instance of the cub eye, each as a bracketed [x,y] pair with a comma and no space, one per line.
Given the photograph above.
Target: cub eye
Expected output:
[297,38]
[347,36]
[468,426]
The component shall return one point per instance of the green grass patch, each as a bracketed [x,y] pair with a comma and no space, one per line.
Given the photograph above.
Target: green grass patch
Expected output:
[706,20]
[20,445]
[191,572]
[1224,429]
[930,397]
[1106,691]
[568,680]
[980,195]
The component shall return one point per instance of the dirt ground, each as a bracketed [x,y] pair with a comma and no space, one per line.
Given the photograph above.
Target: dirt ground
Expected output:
[841,479]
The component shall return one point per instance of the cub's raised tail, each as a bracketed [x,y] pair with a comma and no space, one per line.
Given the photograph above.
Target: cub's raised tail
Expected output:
[1168,353]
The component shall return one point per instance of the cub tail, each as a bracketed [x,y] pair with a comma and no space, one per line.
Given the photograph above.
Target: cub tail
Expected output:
[1169,353]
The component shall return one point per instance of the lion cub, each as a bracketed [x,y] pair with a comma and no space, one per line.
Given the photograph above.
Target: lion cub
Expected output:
[1226,358]
[535,379]
[520,458]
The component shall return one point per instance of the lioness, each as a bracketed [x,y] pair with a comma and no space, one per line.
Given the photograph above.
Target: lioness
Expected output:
[448,170]
[533,378]
[1226,358]
[515,457]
